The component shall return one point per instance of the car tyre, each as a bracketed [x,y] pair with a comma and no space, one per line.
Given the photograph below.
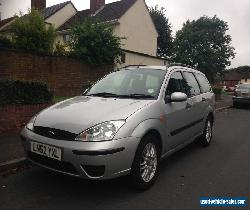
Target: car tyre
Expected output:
[145,166]
[207,135]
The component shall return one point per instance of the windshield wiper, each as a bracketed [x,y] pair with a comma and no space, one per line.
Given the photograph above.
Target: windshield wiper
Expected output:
[136,95]
[102,94]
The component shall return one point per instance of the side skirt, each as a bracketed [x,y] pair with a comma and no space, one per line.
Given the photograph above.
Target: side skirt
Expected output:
[179,147]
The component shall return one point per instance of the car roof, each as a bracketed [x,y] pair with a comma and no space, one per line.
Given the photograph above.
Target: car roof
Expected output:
[145,67]
[244,84]
[168,67]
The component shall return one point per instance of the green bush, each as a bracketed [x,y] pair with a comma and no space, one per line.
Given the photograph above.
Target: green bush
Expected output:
[217,90]
[5,42]
[95,43]
[24,92]
[31,33]
[60,49]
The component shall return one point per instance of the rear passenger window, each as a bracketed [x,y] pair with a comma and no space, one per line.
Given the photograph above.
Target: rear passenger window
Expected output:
[175,84]
[204,84]
[192,83]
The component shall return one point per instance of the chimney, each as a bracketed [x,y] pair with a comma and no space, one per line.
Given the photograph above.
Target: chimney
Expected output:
[96,5]
[38,4]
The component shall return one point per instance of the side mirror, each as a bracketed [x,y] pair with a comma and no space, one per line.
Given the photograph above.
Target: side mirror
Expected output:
[178,97]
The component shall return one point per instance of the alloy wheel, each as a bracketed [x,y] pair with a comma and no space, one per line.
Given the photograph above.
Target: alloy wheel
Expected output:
[148,163]
[208,131]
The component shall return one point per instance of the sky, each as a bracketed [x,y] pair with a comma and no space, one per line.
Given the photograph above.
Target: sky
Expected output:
[235,12]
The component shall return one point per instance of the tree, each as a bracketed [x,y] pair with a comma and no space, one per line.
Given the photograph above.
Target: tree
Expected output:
[5,41]
[204,44]
[243,70]
[31,33]
[95,43]
[61,49]
[163,27]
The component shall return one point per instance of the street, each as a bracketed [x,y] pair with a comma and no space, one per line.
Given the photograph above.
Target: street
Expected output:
[221,170]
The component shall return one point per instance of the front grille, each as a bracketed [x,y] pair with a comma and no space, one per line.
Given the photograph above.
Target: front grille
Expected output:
[54,164]
[54,133]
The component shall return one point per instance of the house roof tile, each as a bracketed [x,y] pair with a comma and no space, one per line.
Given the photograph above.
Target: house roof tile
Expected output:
[49,11]
[77,18]
[232,76]
[6,21]
[109,12]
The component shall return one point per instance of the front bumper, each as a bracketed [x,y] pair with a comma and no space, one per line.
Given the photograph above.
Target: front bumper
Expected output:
[238,99]
[90,160]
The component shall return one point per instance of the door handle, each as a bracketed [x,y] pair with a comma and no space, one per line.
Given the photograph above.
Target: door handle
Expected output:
[188,106]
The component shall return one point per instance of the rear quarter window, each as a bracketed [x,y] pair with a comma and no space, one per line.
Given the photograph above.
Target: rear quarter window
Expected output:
[203,82]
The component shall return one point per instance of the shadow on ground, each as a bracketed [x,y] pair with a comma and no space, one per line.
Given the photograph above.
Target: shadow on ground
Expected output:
[77,187]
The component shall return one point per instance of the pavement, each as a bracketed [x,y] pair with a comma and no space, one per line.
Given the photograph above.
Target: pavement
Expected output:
[225,102]
[11,151]
[222,169]
[11,147]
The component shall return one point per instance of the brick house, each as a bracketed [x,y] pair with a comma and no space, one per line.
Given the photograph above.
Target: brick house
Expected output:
[231,79]
[131,19]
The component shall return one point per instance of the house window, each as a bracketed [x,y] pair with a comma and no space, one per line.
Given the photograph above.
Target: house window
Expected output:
[123,57]
[66,38]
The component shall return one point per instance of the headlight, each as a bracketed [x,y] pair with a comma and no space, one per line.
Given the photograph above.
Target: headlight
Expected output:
[30,124]
[101,132]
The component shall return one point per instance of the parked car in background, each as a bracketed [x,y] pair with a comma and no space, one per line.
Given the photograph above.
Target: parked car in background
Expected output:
[124,124]
[241,94]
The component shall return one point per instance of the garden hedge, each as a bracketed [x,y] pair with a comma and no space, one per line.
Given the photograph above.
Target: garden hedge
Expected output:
[24,92]
[217,90]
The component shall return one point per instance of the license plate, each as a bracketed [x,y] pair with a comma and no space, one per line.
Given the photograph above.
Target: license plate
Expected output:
[46,150]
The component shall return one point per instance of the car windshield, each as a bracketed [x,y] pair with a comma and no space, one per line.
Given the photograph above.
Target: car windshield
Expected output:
[244,86]
[129,83]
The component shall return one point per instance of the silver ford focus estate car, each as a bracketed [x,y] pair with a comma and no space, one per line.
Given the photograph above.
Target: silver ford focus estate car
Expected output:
[124,124]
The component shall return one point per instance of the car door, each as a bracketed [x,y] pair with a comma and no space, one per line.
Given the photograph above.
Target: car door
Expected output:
[206,93]
[179,115]
[198,103]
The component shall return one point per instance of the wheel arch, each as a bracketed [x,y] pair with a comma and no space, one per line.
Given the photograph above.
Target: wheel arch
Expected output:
[154,127]
[211,116]
[158,137]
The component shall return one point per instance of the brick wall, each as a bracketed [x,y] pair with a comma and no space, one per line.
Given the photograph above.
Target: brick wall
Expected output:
[64,76]
[14,117]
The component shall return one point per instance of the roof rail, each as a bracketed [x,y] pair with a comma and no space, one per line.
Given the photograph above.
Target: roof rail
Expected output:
[133,66]
[179,64]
